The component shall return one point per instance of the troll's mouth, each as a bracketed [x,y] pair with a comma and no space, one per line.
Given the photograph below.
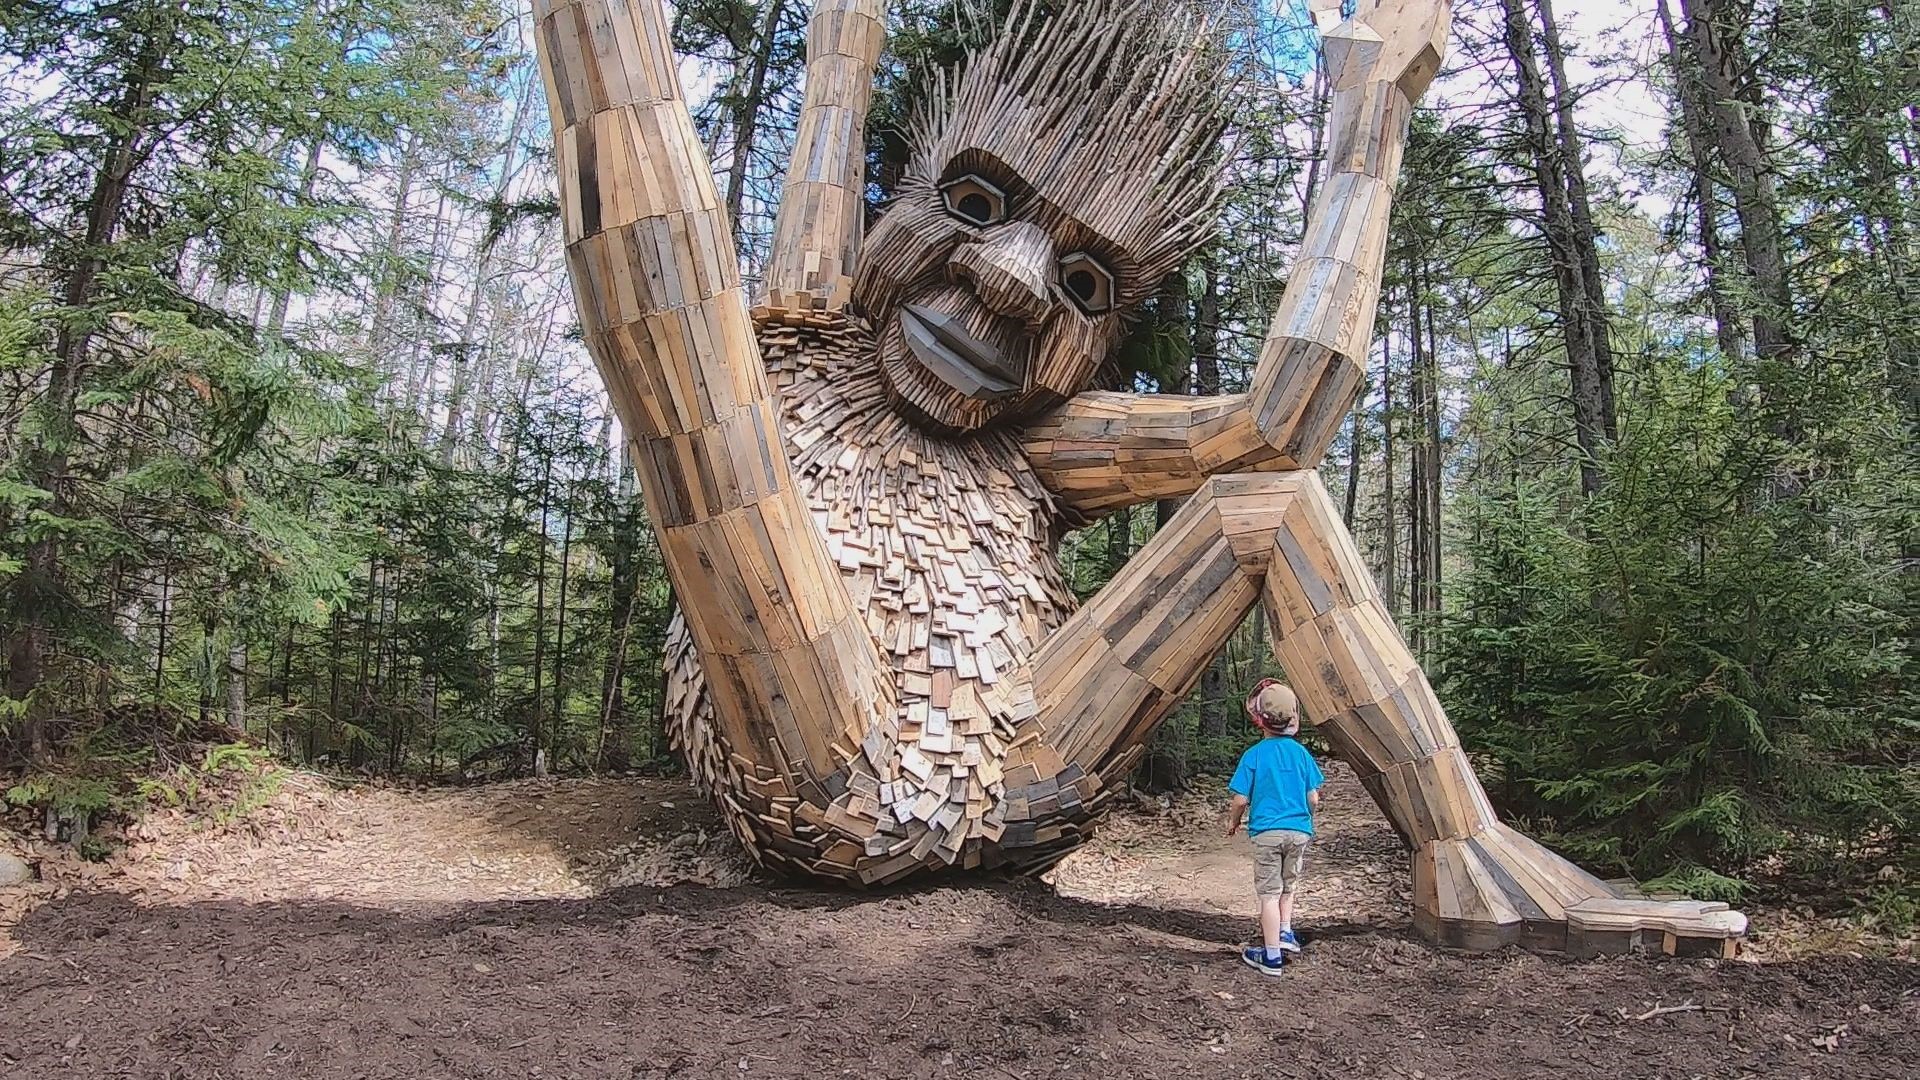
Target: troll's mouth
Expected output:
[949,353]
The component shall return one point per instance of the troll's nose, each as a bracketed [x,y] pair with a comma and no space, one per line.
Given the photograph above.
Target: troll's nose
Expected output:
[1010,268]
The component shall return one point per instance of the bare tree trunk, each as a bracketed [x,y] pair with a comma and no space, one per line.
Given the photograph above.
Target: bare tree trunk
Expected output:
[1390,544]
[380,325]
[461,355]
[165,609]
[468,350]
[1175,307]
[1215,718]
[1738,133]
[363,688]
[208,626]
[497,362]
[1570,238]
[1436,452]
[421,363]
[309,176]
[465,354]
[1420,530]
[1585,233]
[1168,760]
[1119,539]
[746,112]
[560,626]
[237,681]
[1687,83]
[1354,453]
[534,727]
[611,749]
[1322,94]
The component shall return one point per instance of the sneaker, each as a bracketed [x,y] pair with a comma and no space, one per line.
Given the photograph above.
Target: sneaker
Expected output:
[1255,957]
[1288,942]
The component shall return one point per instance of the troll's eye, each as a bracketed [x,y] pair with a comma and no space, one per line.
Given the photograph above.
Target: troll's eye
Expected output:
[974,201]
[1089,283]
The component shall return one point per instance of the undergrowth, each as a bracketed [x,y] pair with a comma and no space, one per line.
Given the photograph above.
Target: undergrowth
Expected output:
[124,771]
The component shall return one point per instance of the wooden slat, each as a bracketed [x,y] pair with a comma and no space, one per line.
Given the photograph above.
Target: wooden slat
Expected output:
[879,669]
[817,232]
[1477,883]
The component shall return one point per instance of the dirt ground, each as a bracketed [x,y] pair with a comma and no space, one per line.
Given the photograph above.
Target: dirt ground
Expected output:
[589,929]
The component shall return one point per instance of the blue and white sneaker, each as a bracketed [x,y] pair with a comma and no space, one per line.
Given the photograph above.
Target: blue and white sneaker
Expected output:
[1255,957]
[1288,942]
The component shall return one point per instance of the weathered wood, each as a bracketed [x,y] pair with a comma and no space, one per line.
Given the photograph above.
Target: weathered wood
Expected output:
[861,483]
[1477,883]
[660,300]
[816,235]
[1086,141]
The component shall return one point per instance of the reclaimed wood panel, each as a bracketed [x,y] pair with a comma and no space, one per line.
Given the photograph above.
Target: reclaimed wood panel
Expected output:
[1477,883]
[660,301]
[816,234]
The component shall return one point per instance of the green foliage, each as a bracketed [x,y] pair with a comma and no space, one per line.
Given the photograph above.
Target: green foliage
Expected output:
[1891,909]
[204,482]
[67,796]
[1695,678]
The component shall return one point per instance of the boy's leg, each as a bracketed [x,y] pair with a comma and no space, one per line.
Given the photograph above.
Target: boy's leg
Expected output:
[1270,886]
[1272,917]
[1295,850]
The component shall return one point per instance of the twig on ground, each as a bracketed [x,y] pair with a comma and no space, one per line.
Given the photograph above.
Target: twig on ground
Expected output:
[911,1005]
[1661,1010]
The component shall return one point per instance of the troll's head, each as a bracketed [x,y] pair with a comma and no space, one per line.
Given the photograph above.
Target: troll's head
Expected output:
[1052,186]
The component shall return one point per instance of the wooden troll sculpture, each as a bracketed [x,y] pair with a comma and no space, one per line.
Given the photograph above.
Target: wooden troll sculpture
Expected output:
[860,484]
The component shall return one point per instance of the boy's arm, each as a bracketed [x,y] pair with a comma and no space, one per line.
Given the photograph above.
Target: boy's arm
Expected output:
[1236,813]
[1242,787]
[1313,799]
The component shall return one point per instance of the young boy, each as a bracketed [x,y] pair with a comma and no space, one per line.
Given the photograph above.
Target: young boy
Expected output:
[1280,782]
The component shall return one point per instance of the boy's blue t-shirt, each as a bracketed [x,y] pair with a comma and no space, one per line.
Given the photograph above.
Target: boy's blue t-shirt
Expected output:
[1275,775]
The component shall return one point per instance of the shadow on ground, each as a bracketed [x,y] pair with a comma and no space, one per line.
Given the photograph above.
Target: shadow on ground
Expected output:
[979,980]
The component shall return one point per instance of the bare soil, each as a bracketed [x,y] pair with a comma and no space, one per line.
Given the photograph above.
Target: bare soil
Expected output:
[588,929]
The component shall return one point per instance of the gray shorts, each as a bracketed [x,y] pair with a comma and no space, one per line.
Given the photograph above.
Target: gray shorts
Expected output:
[1278,857]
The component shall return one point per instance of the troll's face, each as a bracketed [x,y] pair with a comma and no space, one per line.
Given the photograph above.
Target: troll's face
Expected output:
[1047,197]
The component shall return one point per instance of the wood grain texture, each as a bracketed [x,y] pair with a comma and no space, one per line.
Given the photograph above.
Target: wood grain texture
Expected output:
[949,547]
[660,300]
[1103,451]
[816,234]
[1477,883]
[881,670]
[1313,360]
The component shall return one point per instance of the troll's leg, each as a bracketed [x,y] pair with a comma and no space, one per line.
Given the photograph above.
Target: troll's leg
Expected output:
[1108,677]
[1477,883]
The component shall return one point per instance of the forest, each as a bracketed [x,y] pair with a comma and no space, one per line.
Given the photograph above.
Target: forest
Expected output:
[301,452]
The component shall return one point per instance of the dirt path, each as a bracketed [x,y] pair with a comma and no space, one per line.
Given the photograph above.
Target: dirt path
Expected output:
[1173,855]
[599,930]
